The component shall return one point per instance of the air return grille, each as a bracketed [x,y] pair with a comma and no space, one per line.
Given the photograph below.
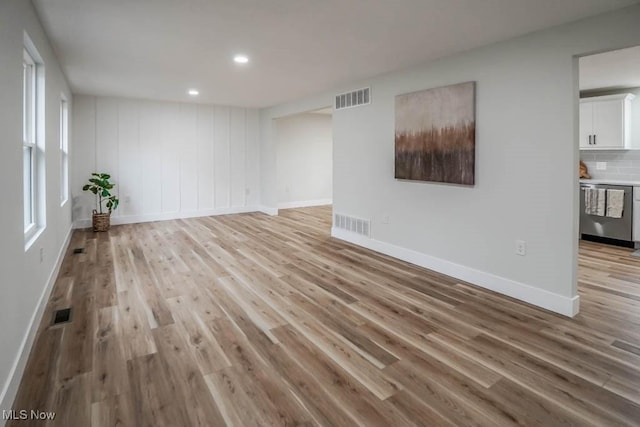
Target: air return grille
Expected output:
[352,224]
[62,316]
[353,99]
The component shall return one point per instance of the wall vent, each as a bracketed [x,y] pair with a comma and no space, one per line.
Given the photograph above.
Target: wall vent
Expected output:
[352,224]
[353,99]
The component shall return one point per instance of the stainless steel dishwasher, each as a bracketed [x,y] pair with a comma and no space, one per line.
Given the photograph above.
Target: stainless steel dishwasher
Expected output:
[604,226]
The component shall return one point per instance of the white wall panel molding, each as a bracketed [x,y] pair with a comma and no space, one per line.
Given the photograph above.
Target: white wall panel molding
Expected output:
[168,160]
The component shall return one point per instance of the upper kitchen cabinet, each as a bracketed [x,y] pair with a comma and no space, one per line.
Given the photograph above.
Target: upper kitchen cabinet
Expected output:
[605,122]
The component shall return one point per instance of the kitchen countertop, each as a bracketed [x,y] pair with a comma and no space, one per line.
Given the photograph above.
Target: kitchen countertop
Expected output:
[610,182]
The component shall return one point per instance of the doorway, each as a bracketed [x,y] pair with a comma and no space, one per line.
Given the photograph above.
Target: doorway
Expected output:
[609,210]
[305,159]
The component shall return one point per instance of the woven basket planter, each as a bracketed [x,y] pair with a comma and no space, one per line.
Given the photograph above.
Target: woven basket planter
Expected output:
[101,221]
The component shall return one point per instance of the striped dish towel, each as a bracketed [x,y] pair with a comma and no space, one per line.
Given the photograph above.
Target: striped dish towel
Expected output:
[595,201]
[615,203]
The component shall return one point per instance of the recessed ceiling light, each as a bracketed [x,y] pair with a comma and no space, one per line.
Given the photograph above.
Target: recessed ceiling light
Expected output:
[194,92]
[241,59]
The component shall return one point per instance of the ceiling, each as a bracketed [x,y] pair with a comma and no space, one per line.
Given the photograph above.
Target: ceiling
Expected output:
[157,49]
[611,70]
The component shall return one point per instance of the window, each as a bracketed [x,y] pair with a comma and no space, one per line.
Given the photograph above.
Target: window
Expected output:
[29,148]
[64,150]
[33,159]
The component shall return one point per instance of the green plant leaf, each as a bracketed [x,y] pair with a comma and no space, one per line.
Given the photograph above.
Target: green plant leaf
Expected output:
[100,186]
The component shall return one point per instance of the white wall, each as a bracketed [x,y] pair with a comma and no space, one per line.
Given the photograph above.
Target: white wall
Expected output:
[305,172]
[168,160]
[527,99]
[26,280]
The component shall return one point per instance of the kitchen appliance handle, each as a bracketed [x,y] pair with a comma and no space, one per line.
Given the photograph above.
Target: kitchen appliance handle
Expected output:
[594,139]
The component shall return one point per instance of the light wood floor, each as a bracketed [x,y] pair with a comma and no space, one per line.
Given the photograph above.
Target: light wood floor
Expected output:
[253,320]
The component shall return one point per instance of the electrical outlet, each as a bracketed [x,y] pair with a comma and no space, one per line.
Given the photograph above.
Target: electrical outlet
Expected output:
[385,219]
[41,255]
[127,199]
[521,247]
[601,166]
[247,191]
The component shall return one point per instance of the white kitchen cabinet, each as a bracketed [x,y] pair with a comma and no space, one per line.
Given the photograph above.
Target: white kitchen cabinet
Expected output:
[605,122]
[586,125]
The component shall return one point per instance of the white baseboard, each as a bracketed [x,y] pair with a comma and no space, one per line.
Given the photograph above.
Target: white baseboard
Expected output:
[268,210]
[17,370]
[134,219]
[567,306]
[305,204]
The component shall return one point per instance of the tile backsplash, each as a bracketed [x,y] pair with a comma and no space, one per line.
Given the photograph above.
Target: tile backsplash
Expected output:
[621,165]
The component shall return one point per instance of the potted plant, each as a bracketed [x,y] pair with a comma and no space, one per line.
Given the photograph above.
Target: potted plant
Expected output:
[99,185]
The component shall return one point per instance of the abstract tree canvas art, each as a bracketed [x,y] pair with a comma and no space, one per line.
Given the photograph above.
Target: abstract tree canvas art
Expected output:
[436,135]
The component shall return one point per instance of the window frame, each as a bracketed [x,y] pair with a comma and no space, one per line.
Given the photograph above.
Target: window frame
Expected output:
[64,150]
[29,141]
[33,142]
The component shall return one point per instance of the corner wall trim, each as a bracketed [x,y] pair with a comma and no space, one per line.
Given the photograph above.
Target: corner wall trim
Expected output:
[134,219]
[305,204]
[10,389]
[567,306]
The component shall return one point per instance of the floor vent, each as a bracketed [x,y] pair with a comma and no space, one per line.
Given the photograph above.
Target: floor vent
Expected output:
[62,316]
[352,224]
[78,251]
[353,99]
